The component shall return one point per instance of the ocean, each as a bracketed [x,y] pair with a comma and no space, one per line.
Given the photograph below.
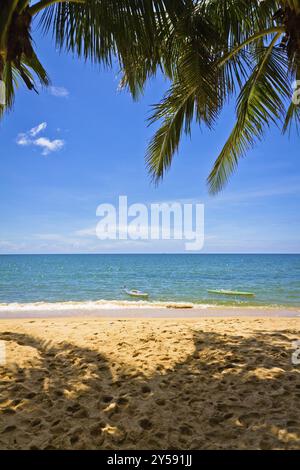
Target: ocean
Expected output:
[55,281]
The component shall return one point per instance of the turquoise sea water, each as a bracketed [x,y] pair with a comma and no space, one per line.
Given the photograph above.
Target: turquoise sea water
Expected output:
[27,279]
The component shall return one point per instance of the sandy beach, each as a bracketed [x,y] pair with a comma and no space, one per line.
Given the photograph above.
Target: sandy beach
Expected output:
[197,383]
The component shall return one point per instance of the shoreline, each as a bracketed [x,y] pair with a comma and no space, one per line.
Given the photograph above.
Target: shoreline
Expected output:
[153,313]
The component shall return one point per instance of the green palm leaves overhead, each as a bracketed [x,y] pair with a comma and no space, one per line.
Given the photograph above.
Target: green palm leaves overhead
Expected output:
[253,58]
[99,30]
[210,50]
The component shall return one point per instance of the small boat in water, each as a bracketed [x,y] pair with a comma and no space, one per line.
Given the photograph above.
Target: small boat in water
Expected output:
[136,293]
[231,293]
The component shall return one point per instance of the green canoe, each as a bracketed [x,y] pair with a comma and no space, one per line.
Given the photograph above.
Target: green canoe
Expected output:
[232,293]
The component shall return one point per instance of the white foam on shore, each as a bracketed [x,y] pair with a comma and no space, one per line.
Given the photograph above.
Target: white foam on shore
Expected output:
[96,305]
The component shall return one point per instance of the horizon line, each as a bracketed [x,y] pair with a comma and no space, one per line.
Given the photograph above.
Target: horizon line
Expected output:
[147,253]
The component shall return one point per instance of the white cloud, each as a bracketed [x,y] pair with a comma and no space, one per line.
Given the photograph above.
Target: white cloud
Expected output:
[36,130]
[59,92]
[23,139]
[47,145]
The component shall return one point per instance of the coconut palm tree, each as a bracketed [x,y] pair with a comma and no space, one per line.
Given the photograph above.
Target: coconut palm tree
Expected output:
[104,31]
[210,50]
[256,60]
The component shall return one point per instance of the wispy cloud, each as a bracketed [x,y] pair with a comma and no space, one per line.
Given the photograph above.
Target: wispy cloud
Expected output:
[25,138]
[291,187]
[87,232]
[59,91]
[47,145]
[36,130]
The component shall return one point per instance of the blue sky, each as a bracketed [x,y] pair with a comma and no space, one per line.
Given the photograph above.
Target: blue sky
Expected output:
[91,149]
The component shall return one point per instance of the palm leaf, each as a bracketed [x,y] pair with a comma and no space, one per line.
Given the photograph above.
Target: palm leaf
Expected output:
[178,112]
[292,117]
[35,65]
[261,101]
[194,94]
[99,29]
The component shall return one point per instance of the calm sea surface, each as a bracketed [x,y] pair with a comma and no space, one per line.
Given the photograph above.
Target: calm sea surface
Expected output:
[28,279]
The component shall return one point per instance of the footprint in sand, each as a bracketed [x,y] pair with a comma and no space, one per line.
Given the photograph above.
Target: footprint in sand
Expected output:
[145,424]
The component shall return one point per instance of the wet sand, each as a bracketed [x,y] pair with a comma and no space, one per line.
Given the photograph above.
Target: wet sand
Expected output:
[143,312]
[193,383]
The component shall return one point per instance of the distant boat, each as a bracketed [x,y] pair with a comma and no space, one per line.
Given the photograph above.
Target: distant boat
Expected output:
[136,293]
[231,293]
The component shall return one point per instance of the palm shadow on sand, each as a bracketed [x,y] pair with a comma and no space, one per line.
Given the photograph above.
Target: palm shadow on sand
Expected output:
[231,393]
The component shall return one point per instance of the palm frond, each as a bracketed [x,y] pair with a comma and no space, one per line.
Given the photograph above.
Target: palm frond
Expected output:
[99,29]
[178,112]
[292,118]
[236,20]
[261,102]
[35,65]
[194,94]
[12,77]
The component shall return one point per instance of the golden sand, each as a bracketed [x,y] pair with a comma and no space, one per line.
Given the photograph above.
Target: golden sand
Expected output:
[150,384]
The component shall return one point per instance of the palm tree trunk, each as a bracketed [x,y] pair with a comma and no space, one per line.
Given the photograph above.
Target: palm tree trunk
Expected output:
[291,21]
[15,39]
[294,5]
[7,10]
[6,14]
